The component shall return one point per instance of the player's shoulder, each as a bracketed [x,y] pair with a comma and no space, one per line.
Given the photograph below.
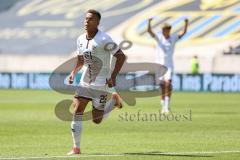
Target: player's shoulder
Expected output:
[81,37]
[103,36]
[159,35]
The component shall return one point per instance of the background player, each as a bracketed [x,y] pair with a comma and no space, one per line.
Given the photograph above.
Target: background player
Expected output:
[165,49]
[95,49]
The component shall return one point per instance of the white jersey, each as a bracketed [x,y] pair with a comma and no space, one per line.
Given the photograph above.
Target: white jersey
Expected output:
[165,49]
[97,54]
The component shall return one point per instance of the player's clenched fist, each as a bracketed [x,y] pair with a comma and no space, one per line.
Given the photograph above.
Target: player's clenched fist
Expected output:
[70,79]
[111,82]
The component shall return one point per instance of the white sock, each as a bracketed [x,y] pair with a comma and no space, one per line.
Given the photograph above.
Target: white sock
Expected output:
[162,102]
[109,107]
[76,127]
[166,103]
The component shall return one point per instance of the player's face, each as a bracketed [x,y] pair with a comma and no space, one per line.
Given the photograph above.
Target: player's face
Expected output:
[166,32]
[91,22]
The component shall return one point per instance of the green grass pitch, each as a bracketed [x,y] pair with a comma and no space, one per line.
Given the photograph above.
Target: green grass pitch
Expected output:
[29,129]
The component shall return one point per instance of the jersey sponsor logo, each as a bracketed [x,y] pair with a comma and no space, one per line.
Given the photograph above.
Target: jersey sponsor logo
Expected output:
[87,55]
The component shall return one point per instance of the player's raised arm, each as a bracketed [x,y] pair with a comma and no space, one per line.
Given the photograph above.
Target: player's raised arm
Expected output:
[120,56]
[149,30]
[184,29]
[78,66]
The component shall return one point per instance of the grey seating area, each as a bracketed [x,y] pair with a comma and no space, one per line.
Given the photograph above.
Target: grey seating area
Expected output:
[7,4]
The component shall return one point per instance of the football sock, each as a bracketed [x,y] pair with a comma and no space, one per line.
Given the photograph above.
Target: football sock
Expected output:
[162,103]
[76,127]
[166,103]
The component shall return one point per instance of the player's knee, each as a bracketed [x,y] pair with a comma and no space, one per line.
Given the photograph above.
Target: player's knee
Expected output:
[162,83]
[169,87]
[97,120]
[77,108]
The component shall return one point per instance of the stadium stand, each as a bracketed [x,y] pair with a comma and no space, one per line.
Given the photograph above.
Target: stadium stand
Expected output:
[5,5]
[41,35]
[232,49]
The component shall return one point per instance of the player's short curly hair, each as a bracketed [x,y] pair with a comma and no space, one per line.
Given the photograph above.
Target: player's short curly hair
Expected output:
[166,26]
[95,12]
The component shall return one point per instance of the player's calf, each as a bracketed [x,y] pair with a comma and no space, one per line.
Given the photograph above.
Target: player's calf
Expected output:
[162,89]
[79,105]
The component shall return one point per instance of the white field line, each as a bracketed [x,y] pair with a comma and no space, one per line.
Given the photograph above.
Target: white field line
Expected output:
[60,157]
[119,155]
[198,152]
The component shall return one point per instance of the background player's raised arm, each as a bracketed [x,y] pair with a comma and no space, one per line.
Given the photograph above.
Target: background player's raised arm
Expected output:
[150,31]
[78,66]
[184,29]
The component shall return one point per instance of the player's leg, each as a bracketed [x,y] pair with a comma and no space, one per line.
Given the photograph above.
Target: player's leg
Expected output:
[168,86]
[118,100]
[79,105]
[98,103]
[101,108]
[97,115]
[168,90]
[162,91]
[114,102]
[160,80]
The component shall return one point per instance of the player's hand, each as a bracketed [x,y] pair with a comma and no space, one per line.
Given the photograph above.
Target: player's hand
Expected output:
[111,82]
[150,19]
[70,79]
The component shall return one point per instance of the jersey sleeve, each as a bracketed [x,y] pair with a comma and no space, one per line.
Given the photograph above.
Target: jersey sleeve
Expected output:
[110,46]
[79,51]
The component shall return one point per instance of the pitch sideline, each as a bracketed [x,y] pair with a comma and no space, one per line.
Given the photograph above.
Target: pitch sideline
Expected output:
[119,155]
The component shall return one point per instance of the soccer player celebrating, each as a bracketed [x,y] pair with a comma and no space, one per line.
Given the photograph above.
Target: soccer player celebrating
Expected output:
[95,49]
[165,49]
